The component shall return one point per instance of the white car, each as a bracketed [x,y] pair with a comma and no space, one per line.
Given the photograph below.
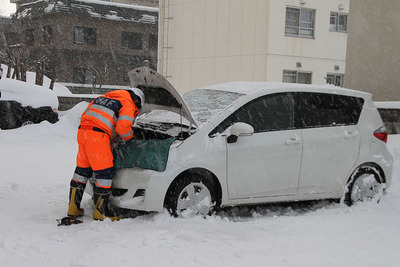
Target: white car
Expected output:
[244,143]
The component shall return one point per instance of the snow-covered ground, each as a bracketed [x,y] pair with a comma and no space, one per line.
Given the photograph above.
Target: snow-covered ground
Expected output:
[37,162]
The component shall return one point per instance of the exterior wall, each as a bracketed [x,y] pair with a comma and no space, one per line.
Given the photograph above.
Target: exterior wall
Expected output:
[318,55]
[153,3]
[108,33]
[373,53]
[206,42]
[108,55]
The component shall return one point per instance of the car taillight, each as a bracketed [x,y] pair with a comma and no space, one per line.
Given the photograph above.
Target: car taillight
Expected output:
[381,134]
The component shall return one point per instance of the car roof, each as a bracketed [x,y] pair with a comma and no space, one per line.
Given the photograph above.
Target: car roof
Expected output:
[256,87]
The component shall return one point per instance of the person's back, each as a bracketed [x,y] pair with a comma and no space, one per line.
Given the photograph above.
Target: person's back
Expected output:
[112,113]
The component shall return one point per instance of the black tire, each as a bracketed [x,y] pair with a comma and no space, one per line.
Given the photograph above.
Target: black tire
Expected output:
[25,123]
[189,196]
[365,184]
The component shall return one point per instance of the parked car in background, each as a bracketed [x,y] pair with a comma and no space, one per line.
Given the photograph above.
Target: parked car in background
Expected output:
[24,103]
[390,114]
[246,143]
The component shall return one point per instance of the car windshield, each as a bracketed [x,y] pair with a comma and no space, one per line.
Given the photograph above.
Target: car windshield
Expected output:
[205,103]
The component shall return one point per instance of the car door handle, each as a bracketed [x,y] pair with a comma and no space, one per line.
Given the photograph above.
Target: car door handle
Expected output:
[348,134]
[293,141]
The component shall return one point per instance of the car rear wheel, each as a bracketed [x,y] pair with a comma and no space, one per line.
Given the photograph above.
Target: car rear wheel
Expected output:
[365,185]
[190,196]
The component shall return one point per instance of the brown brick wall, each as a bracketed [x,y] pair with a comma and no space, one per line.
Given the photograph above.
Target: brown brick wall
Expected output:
[107,53]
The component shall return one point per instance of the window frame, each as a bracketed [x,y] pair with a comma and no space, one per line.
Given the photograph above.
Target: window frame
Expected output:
[132,40]
[47,33]
[334,78]
[84,76]
[30,37]
[85,35]
[335,27]
[296,24]
[295,74]
[12,38]
[153,42]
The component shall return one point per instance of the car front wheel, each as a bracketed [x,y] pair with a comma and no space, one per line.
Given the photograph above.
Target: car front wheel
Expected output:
[190,196]
[365,185]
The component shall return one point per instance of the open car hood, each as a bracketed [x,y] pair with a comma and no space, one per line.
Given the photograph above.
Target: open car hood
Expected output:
[159,93]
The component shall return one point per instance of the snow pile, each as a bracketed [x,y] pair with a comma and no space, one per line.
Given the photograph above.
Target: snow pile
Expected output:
[27,94]
[72,117]
[132,6]
[148,19]
[59,89]
[37,163]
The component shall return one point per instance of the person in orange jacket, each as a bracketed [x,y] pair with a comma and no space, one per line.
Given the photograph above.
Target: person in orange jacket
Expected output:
[106,119]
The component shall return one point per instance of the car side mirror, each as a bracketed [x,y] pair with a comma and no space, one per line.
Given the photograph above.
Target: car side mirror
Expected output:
[240,129]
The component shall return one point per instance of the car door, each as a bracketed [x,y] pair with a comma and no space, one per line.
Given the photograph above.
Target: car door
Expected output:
[331,141]
[266,163]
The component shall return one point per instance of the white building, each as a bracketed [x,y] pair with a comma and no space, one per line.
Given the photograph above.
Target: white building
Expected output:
[204,42]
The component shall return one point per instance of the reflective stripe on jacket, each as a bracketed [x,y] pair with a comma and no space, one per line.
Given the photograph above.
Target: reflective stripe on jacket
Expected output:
[113,112]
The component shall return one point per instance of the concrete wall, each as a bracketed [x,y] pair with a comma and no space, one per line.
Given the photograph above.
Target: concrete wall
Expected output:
[228,40]
[373,53]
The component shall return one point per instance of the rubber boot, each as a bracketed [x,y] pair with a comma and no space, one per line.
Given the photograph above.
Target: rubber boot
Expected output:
[75,197]
[101,208]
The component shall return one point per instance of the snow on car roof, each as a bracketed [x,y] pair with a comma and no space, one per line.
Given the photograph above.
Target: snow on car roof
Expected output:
[254,87]
[27,94]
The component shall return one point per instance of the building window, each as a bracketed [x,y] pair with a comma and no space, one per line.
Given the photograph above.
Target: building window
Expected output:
[299,22]
[47,33]
[84,76]
[12,38]
[153,42]
[131,40]
[85,35]
[335,79]
[30,37]
[338,22]
[291,76]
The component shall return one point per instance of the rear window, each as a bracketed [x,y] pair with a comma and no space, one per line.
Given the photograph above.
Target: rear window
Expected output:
[326,110]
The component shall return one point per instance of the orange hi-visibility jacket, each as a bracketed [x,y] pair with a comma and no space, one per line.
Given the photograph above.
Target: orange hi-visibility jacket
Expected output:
[113,113]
